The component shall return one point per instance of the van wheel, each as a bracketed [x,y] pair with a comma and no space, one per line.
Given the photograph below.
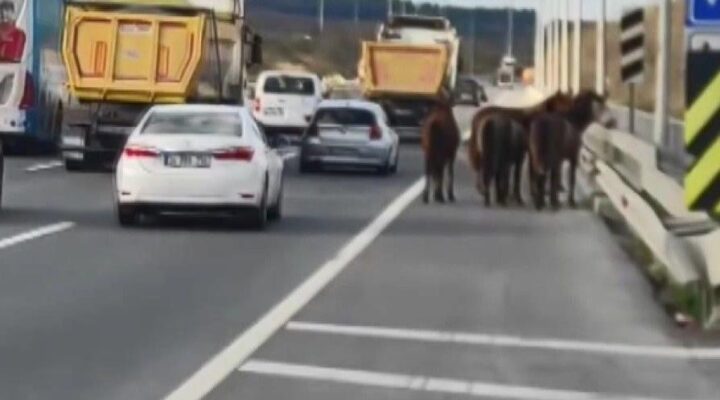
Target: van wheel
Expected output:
[126,215]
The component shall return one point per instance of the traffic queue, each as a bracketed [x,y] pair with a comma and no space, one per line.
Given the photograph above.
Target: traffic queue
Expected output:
[158,91]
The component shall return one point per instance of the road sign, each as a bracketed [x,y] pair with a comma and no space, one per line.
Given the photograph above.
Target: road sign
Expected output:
[704,12]
[632,45]
[702,122]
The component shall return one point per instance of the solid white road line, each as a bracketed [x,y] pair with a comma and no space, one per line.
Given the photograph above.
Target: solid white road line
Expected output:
[44,166]
[506,341]
[35,234]
[420,383]
[222,364]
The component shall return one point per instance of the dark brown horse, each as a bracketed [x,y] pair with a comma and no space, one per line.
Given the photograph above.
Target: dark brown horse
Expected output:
[440,141]
[555,137]
[498,144]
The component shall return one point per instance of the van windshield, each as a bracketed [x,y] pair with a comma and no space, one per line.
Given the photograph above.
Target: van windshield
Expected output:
[283,84]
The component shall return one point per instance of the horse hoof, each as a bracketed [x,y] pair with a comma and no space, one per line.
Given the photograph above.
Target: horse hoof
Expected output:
[572,204]
[440,200]
[451,198]
[426,199]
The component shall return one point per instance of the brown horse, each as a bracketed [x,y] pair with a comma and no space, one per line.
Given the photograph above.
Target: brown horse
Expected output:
[498,144]
[440,141]
[555,137]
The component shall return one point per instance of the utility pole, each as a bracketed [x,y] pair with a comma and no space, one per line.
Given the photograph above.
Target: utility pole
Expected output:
[321,16]
[472,41]
[510,32]
[557,65]
[600,49]
[539,49]
[565,46]
[663,71]
[356,12]
[577,47]
[390,8]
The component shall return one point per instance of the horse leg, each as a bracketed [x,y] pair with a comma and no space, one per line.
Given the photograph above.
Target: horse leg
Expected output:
[572,176]
[451,181]
[517,179]
[502,183]
[487,183]
[555,176]
[438,173]
[428,179]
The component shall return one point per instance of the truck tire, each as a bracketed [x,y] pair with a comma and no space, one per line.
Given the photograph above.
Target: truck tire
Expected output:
[259,217]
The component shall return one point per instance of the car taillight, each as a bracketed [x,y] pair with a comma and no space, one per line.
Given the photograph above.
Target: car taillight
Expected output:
[12,43]
[235,154]
[140,152]
[28,99]
[257,104]
[375,133]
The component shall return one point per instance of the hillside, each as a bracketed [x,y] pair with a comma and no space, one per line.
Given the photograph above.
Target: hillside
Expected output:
[291,38]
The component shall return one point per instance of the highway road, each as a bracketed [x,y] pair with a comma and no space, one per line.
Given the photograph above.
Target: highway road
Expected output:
[454,301]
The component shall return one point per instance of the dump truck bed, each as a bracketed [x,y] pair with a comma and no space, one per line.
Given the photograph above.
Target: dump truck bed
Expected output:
[132,57]
[409,71]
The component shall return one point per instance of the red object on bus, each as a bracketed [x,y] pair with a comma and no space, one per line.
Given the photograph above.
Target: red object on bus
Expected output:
[12,43]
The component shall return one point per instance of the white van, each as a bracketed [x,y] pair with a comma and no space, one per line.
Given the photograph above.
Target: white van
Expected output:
[284,101]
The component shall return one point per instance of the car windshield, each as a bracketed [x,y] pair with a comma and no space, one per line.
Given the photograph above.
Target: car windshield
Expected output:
[284,84]
[194,123]
[344,116]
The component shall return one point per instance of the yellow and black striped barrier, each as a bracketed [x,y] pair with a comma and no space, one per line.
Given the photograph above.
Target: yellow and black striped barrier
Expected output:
[702,125]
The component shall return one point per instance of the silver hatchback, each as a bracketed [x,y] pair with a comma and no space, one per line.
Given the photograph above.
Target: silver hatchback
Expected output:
[349,133]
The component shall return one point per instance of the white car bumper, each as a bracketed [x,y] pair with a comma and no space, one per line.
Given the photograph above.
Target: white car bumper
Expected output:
[231,188]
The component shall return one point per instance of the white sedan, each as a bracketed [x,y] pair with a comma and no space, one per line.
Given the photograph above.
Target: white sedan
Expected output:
[199,158]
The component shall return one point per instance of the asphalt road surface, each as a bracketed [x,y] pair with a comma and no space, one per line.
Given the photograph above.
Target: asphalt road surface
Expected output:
[453,301]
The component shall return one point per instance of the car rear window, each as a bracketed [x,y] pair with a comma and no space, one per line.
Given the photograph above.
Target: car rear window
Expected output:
[344,116]
[283,84]
[194,123]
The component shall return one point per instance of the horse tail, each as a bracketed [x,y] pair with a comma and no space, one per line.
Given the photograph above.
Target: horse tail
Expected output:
[475,148]
[490,144]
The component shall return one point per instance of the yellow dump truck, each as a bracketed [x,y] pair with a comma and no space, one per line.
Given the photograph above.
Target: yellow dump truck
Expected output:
[413,60]
[122,56]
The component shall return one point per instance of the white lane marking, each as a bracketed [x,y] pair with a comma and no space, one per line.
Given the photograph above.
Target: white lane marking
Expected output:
[421,383]
[44,166]
[506,341]
[222,364]
[289,156]
[35,234]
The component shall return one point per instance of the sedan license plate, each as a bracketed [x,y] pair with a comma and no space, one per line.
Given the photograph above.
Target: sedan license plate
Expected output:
[185,160]
[342,151]
[274,111]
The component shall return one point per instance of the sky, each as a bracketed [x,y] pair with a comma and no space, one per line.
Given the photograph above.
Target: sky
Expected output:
[591,8]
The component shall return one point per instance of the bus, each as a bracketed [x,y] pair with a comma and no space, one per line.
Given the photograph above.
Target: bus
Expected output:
[31,75]
[31,72]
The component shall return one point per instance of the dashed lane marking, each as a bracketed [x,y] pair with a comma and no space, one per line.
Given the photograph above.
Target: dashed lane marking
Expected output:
[44,166]
[221,365]
[464,338]
[35,234]
[420,383]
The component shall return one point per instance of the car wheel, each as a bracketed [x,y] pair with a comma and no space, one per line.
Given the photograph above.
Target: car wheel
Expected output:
[394,168]
[306,167]
[260,214]
[127,215]
[275,212]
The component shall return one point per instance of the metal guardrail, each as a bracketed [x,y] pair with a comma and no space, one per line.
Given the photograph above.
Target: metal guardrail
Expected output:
[672,157]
